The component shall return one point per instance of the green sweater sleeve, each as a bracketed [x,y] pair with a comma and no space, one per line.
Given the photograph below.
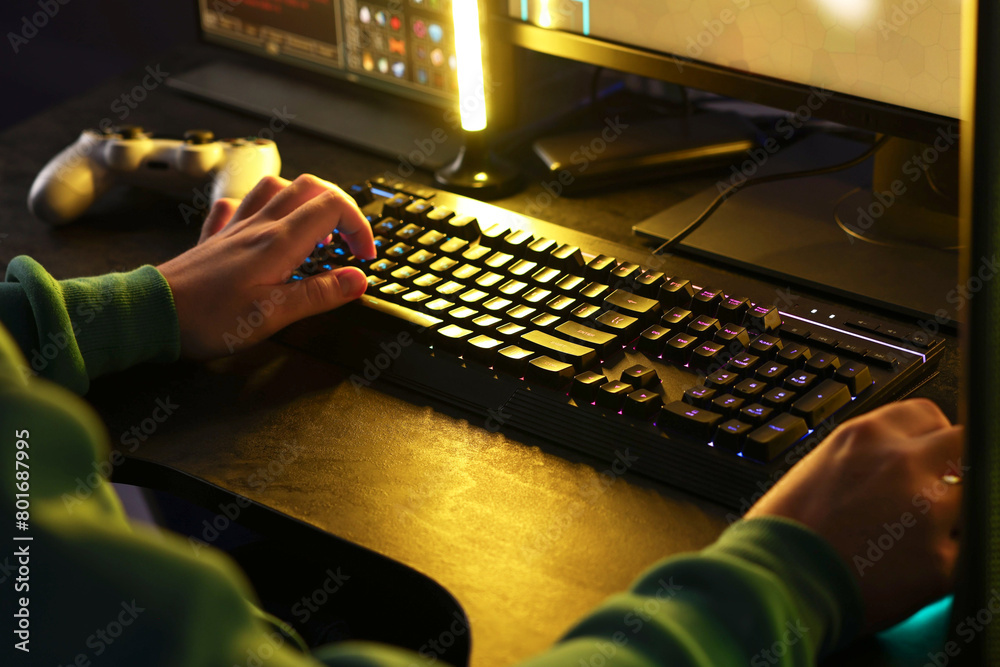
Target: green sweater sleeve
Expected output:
[769,592]
[72,331]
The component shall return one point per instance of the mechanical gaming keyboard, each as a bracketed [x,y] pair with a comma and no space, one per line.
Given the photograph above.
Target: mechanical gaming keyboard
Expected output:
[717,382]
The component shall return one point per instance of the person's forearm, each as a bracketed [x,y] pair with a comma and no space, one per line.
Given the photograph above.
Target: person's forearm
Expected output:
[72,331]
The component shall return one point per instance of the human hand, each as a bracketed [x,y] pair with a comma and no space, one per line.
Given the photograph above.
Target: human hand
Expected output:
[877,480]
[246,253]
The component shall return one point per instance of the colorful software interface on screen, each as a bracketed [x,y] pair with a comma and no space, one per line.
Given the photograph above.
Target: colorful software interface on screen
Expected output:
[404,42]
[903,52]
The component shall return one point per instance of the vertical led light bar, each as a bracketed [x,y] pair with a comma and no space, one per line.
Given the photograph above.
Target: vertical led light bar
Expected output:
[469,53]
[475,171]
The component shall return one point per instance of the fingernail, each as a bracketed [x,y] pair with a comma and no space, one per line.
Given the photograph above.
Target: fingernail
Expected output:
[352,283]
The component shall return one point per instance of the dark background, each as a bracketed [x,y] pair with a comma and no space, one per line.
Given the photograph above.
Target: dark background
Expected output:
[84,43]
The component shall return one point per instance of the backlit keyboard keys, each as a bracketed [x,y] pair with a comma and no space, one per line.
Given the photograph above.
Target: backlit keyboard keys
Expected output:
[794,355]
[750,388]
[550,372]
[539,249]
[721,380]
[676,317]
[579,356]
[727,405]
[416,211]
[732,309]
[612,395]
[482,349]
[398,251]
[679,348]
[625,272]
[443,265]
[510,330]
[473,296]
[465,272]
[536,296]
[546,322]
[822,401]
[521,313]
[676,292]
[409,232]
[699,396]
[771,372]
[763,319]
[449,288]
[774,437]
[599,268]
[652,340]
[617,324]
[731,435]
[561,304]
[485,323]
[779,398]
[477,254]
[585,386]
[708,355]
[766,346]
[695,422]
[800,381]
[824,364]
[567,258]
[756,414]
[634,305]
[490,281]
[463,226]
[855,375]
[522,268]
[743,364]
[498,260]
[421,257]
[642,404]
[706,301]
[453,338]
[569,284]
[496,305]
[734,336]
[438,217]
[648,283]
[516,242]
[513,359]
[704,326]
[585,312]
[453,247]
[579,333]
[546,276]
[641,377]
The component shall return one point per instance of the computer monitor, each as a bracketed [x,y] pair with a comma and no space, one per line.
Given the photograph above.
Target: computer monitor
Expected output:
[379,74]
[882,233]
[405,47]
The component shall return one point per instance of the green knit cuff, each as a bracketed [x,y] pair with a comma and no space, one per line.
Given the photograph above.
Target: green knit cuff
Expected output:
[825,589]
[123,319]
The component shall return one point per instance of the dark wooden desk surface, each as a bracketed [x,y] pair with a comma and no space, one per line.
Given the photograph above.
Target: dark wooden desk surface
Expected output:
[526,537]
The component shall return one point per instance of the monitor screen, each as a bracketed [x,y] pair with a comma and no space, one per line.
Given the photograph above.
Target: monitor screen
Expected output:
[404,46]
[901,53]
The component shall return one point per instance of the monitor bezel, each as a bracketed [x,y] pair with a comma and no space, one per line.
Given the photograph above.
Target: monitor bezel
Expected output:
[849,110]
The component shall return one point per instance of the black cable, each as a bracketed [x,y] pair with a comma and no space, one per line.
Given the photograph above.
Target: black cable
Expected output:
[734,188]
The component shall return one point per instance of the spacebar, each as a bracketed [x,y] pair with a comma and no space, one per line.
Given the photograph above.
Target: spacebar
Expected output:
[399,312]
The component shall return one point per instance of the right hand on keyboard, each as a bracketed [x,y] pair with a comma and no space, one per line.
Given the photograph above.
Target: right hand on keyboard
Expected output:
[874,489]
[230,290]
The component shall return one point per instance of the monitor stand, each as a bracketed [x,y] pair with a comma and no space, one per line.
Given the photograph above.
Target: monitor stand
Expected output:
[415,135]
[831,233]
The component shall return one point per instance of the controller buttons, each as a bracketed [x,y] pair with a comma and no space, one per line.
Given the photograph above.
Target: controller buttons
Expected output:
[199,137]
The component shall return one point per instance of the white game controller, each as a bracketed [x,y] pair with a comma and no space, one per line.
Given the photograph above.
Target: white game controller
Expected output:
[197,165]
